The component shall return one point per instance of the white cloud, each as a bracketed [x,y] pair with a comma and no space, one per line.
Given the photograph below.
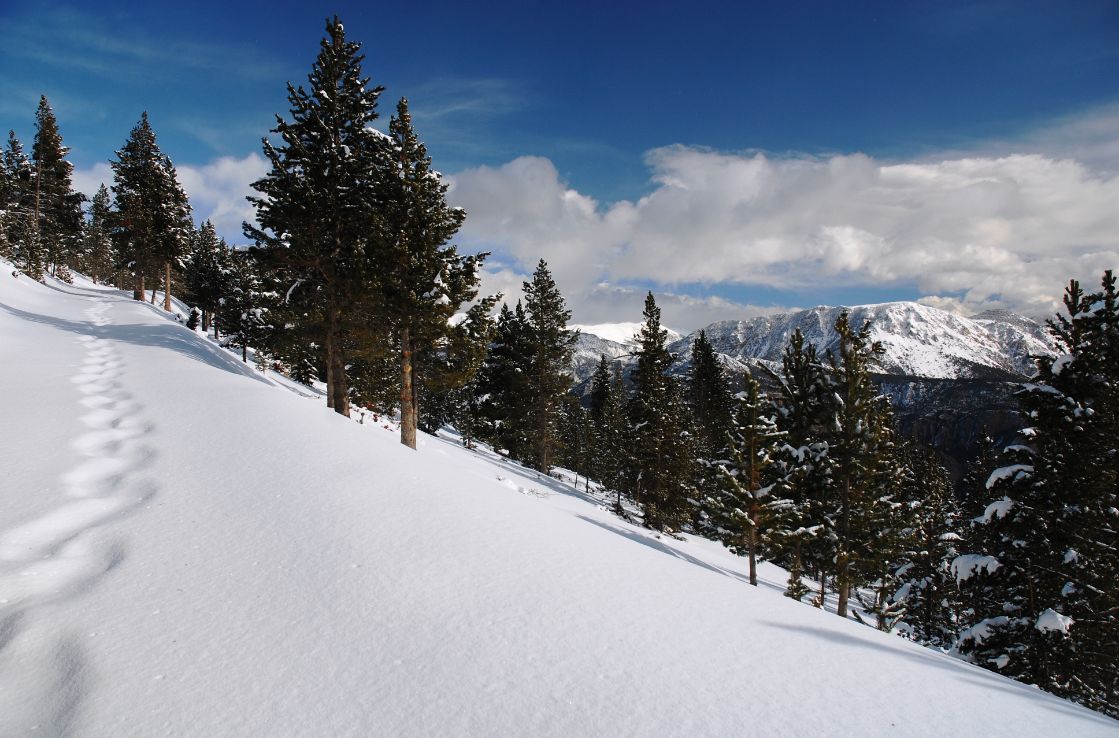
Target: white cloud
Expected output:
[216,190]
[971,231]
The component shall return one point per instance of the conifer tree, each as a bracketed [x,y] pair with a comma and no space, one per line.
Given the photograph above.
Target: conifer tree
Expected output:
[20,222]
[210,273]
[549,365]
[798,534]
[1045,587]
[152,226]
[244,310]
[608,431]
[319,205]
[709,398]
[58,208]
[423,281]
[99,258]
[928,597]
[662,459]
[503,385]
[733,510]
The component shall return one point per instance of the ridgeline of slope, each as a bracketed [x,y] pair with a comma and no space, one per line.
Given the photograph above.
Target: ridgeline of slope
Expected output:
[266,567]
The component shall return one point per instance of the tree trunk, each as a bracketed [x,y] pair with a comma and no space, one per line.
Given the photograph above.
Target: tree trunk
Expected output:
[154,285]
[205,321]
[245,353]
[217,337]
[338,362]
[844,594]
[407,392]
[753,543]
[138,290]
[329,369]
[824,589]
[167,286]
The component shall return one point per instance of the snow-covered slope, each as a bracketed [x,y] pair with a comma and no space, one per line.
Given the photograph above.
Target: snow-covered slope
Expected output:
[623,333]
[189,548]
[919,340]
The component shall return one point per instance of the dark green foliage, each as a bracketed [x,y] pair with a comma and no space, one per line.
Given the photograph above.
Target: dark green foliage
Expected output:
[662,470]
[210,273]
[709,399]
[550,347]
[152,225]
[423,282]
[928,598]
[319,204]
[1046,595]
[732,510]
[98,257]
[58,207]
[503,385]
[608,431]
[22,242]
[243,312]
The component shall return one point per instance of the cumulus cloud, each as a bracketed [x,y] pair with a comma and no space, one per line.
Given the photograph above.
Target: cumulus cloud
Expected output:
[216,190]
[971,232]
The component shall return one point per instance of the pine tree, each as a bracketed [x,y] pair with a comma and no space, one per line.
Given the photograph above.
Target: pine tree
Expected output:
[21,225]
[503,385]
[423,281]
[549,377]
[928,597]
[662,460]
[244,310]
[860,442]
[320,204]
[710,402]
[733,510]
[608,431]
[99,259]
[58,208]
[1045,587]
[152,226]
[210,273]
[798,536]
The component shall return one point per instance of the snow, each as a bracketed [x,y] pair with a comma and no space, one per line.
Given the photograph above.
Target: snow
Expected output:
[623,333]
[190,547]
[1014,471]
[1051,621]
[966,566]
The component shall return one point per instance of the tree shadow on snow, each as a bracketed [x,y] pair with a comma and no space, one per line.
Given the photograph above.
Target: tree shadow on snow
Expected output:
[169,336]
[960,669]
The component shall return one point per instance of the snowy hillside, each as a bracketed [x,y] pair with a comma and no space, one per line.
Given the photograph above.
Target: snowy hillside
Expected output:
[920,341]
[623,333]
[190,548]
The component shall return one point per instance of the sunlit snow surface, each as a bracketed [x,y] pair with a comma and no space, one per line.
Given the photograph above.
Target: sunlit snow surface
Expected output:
[190,548]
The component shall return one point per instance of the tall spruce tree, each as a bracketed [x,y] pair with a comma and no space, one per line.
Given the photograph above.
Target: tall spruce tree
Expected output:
[58,208]
[99,258]
[608,431]
[709,398]
[423,281]
[1045,587]
[320,203]
[662,460]
[549,377]
[210,273]
[798,535]
[21,224]
[152,225]
[503,385]
[733,510]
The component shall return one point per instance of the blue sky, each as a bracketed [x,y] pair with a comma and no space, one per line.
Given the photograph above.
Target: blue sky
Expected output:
[595,90]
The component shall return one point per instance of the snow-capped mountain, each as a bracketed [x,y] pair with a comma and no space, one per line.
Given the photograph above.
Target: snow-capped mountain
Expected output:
[919,341]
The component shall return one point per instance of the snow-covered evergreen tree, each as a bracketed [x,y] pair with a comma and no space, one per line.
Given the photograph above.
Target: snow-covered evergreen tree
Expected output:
[319,205]
[662,459]
[58,208]
[1044,585]
[733,510]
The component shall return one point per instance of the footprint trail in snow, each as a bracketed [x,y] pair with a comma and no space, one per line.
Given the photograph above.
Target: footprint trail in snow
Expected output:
[54,557]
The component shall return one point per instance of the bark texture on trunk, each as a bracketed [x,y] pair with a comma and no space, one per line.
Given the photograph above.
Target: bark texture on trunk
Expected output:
[138,289]
[167,286]
[338,365]
[407,392]
[329,369]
